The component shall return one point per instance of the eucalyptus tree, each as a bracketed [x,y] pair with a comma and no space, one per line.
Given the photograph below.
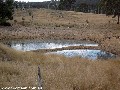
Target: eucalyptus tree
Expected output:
[66,4]
[112,7]
[6,11]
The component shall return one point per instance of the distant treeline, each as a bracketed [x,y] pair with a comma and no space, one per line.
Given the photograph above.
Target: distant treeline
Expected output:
[81,5]
[75,5]
[31,4]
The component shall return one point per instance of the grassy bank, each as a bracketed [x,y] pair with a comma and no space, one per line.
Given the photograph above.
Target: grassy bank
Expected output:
[19,68]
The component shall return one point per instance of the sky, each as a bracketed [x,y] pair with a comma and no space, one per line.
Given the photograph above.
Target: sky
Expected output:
[33,0]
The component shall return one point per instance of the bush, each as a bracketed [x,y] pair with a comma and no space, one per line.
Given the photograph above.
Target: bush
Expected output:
[5,24]
[6,12]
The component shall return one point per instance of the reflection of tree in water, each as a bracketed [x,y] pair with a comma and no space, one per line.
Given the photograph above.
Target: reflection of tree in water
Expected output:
[105,55]
[22,45]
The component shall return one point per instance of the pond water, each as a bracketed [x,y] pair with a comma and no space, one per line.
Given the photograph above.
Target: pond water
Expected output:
[28,45]
[89,54]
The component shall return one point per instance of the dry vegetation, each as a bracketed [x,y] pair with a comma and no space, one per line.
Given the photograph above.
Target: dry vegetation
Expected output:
[19,68]
[50,24]
[58,73]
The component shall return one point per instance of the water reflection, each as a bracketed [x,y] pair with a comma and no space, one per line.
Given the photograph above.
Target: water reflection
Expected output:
[51,44]
[89,54]
[28,45]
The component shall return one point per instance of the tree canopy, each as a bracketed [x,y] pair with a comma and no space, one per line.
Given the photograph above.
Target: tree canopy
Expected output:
[112,7]
[6,11]
[66,4]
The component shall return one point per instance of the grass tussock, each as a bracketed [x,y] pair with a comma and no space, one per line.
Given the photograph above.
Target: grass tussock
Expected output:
[14,74]
[78,74]
[16,68]
[58,72]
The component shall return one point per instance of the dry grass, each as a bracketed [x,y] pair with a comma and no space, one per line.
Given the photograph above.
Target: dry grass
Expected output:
[58,72]
[82,75]
[16,74]
[55,18]
[113,44]
[15,70]
[50,24]
[19,68]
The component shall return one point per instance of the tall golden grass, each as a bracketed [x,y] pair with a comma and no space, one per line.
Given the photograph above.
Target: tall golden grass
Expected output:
[14,70]
[58,72]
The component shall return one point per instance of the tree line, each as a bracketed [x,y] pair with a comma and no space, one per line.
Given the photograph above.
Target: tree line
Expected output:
[112,7]
[108,7]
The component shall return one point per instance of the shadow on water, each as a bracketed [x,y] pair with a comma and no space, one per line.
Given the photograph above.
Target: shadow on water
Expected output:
[28,45]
